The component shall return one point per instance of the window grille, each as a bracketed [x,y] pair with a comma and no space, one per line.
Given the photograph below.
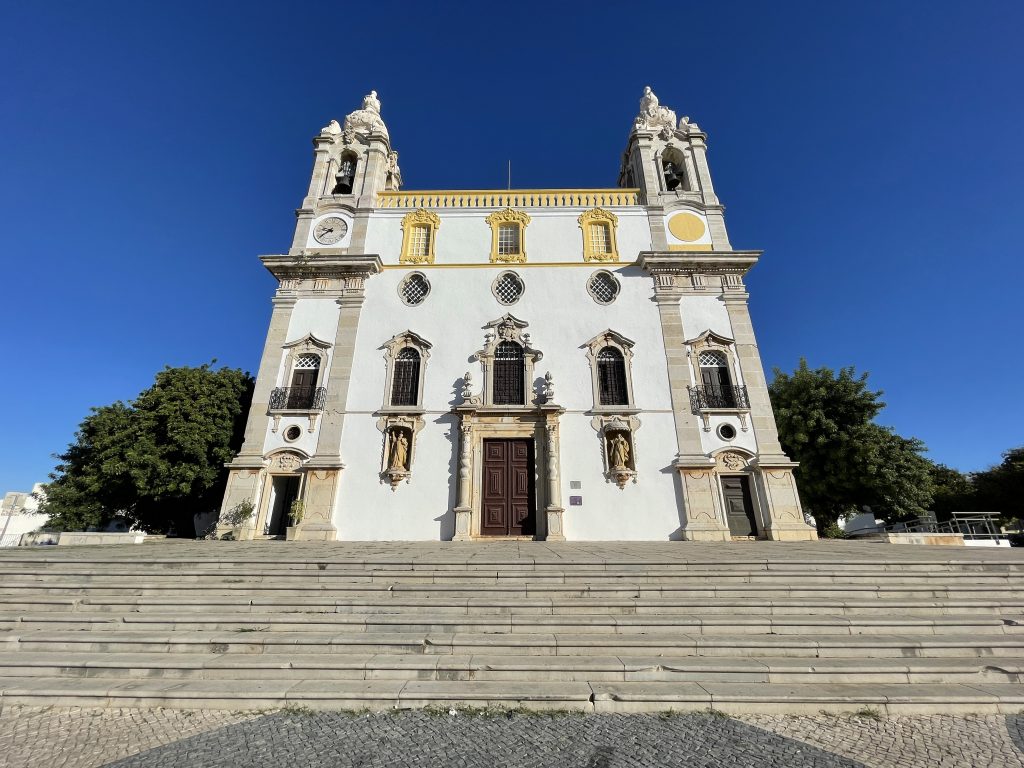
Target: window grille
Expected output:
[611,377]
[600,239]
[508,288]
[419,246]
[711,360]
[509,374]
[603,287]
[414,289]
[508,239]
[405,381]
[307,362]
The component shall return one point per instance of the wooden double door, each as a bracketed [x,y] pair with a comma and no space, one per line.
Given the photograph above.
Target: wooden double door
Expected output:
[739,509]
[508,505]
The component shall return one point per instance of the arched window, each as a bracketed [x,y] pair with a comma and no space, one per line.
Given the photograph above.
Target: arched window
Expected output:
[509,374]
[714,375]
[611,377]
[673,168]
[405,385]
[345,177]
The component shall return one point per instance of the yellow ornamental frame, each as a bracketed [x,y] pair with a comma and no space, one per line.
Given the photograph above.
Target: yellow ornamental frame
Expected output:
[419,218]
[599,216]
[508,216]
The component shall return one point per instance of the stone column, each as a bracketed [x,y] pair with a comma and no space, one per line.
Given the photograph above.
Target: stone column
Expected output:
[463,509]
[774,469]
[554,511]
[700,160]
[699,494]
[251,454]
[318,182]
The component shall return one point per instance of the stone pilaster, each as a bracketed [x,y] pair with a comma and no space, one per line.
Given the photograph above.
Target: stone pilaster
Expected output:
[776,484]
[251,454]
[554,511]
[700,160]
[464,509]
[319,494]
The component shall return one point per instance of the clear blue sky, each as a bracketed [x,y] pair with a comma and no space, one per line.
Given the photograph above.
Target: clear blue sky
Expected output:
[873,150]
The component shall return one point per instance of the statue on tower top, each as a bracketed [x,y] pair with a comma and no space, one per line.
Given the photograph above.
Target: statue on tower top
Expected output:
[364,120]
[654,117]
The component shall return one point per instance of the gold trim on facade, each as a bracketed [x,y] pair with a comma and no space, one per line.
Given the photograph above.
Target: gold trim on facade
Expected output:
[419,218]
[690,247]
[512,198]
[599,217]
[506,217]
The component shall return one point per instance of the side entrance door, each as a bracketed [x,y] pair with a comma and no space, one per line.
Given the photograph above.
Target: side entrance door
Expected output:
[508,499]
[739,510]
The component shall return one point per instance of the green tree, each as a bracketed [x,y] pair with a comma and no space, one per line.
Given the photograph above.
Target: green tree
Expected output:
[953,491]
[157,460]
[1001,488]
[826,422]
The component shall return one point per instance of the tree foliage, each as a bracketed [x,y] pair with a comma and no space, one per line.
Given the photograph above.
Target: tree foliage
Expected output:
[952,491]
[1001,488]
[847,461]
[156,460]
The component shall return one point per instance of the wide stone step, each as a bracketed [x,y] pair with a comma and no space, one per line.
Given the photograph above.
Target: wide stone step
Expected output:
[892,699]
[196,666]
[291,578]
[539,644]
[388,603]
[935,590]
[887,623]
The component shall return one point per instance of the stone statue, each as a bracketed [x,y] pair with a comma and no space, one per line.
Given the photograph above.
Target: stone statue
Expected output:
[393,179]
[332,128]
[467,386]
[367,118]
[549,388]
[618,450]
[653,116]
[399,451]
[371,102]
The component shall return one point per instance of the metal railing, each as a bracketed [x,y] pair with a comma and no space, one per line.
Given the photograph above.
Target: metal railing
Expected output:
[298,398]
[973,526]
[705,397]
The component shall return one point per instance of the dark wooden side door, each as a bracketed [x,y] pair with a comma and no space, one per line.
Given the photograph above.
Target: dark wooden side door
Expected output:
[508,498]
[739,510]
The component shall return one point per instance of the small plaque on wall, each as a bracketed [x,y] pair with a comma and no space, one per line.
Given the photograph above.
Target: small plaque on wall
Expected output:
[575,485]
[575,501]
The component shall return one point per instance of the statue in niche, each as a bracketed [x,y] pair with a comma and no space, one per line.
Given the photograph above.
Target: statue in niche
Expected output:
[399,451]
[618,452]
[393,179]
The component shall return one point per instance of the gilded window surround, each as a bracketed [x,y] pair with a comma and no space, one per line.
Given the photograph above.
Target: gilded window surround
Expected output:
[599,216]
[508,216]
[419,218]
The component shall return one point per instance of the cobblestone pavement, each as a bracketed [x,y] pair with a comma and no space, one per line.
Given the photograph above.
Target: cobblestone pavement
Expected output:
[90,738]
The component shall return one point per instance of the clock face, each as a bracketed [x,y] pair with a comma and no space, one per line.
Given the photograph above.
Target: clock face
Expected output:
[330,230]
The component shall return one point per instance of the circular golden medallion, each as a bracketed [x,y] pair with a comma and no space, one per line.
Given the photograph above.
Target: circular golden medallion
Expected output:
[686,227]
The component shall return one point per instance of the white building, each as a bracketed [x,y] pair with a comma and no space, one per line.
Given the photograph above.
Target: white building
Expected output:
[551,364]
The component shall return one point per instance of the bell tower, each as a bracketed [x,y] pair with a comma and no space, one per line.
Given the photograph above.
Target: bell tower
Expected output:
[352,162]
[666,159]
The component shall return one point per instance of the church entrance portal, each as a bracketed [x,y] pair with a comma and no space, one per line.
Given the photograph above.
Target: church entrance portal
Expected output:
[739,510]
[509,506]
[285,491]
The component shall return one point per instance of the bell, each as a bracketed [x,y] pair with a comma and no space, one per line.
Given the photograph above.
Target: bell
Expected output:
[672,179]
[345,178]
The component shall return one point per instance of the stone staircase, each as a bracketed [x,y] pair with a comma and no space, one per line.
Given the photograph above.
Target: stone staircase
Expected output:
[744,627]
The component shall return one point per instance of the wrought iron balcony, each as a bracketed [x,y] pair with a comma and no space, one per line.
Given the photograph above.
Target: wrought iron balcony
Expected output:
[703,398]
[298,398]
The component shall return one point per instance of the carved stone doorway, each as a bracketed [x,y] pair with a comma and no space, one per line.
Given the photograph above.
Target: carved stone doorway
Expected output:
[739,509]
[509,506]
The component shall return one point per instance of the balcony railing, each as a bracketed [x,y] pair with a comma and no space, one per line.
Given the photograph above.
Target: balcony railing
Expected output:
[298,398]
[702,398]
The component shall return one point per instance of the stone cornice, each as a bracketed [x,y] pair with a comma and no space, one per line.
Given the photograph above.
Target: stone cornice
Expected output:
[284,266]
[682,262]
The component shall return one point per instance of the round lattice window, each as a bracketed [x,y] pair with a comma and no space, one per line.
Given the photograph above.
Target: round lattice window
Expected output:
[603,287]
[414,289]
[508,288]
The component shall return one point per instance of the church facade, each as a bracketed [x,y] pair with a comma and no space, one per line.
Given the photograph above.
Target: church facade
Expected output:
[554,364]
